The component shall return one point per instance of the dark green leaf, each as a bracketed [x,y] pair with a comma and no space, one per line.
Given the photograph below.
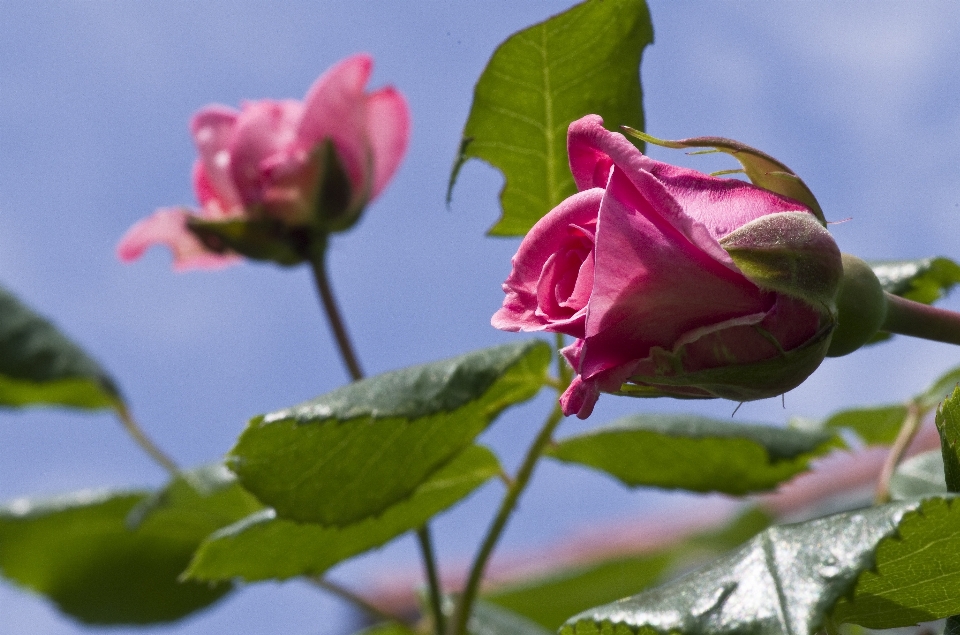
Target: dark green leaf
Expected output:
[39,366]
[695,453]
[948,424]
[925,280]
[264,547]
[919,476]
[387,629]
[585,60]
[356,451]
[551,599]
[875,426]
[79,551]
[787,579]
[917,572]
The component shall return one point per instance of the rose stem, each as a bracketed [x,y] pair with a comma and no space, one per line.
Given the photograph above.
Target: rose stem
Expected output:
[907,317]
[141,438]
[356,600]
[509,503]
[911,423]
[350,360]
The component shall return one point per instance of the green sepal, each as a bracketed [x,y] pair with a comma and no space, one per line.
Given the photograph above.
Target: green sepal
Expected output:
[336,206]
[737,382]
[861,307]
[260,239]
[762,169]
[790,253]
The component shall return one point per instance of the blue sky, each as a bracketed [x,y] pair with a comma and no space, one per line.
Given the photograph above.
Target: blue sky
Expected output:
[860,98]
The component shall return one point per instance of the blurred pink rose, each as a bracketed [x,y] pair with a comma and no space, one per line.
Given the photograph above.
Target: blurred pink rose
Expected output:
[265,161]
[640,267]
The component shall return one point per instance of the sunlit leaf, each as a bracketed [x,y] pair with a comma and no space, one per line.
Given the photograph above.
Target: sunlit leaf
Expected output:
[585,60]
[265,547]
[794,579]
[39,366]
[923,280]
[695,453]
[948,425]
[354,452]
[875,426]
[553,597]
[81,553]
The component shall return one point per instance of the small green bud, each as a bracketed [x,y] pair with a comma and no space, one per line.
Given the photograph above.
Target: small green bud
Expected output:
[861,307]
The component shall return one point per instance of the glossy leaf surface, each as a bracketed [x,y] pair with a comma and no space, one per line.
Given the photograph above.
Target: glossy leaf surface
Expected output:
[354,452]
[39,366]
[585,60]
[79,551]
[695,453]
[553,597]
[265,547]
[793,579]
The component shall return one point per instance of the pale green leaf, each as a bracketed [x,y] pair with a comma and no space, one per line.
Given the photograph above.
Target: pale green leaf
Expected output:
[695,453]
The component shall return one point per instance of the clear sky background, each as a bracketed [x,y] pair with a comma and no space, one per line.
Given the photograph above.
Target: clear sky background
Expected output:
[862,99]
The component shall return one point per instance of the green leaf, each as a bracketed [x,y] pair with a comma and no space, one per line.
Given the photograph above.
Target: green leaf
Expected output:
[585,60]
[264,547]
[39,366]
[551,598]
[924,280]
[948,425]
[79,551]
[875,426]
[196,504]
[695,453]
[917,572]
[489,619]
[942,388]
[786,580]
[387,629]
[919,476]
[356,451]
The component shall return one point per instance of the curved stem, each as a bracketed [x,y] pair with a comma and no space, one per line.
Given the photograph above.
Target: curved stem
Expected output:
[911,424]
[352,362]
[464,607]
[907,317]
[358,601]
[145,443]
[433,580]
[318,264]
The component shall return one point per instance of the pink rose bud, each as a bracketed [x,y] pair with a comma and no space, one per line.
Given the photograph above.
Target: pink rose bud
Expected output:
[675,283]
[282,171]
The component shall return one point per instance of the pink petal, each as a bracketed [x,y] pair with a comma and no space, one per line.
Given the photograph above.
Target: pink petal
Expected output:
[652,283]
[579,398]
[262,129]
[211,204]
[719,205]
[336,108]
[169,227]
[388,132]
[519,311]
[212,130]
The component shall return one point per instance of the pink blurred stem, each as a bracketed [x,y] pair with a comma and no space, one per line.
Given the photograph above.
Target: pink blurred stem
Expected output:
[907,317]
[350,360]
[911,424]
